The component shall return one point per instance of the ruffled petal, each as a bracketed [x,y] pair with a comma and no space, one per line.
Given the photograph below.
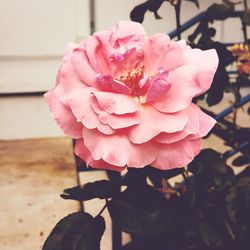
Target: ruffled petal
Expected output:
[113,149]
[79,102]
[83,68]
[98,50]
[183,89]
[62,114]
[192,128]
[158,88]
[114,103]
[206,63]
[206,123]
[81,151]
[177,155]
[115,121]
[160,52]
[155,122]
[128,28]
[142,154]
[117,150]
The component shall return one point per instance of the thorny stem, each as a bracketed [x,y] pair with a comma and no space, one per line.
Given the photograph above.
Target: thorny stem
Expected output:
[104,207]
[178,18]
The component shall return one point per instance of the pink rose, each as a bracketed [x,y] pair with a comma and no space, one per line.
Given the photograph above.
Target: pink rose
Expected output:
[127,98]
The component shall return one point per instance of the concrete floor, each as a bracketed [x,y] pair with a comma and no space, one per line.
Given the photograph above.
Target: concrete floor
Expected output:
[33,175]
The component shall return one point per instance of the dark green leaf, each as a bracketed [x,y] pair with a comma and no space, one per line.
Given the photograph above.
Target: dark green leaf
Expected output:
[91,239]
[208,159]
[231,204]
[219,11]
[100,189]
[137,14]
[77,231]
[243,187]
[209,235]
[141,213]
[241,160]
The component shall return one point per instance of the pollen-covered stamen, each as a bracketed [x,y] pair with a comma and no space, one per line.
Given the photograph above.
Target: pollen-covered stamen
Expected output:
[132,80]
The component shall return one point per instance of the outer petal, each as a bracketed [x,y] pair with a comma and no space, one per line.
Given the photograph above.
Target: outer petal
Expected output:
[160,52]
[98,50]
[206,123]
[117,150]
[176,155]
[114,103]
[128,28]
[115,121]
[155,122]
[183,89]
[81,151]
[83,68]
[206,63]
[114,149]
[62,114]
[142,154]
[192,127]
[79,102]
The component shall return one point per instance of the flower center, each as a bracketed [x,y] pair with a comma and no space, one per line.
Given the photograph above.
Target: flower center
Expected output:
[132,80]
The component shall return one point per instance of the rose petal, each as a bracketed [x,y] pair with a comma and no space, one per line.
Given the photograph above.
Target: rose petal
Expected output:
[206,63]
[82,67]
[192,127]
[114,103]
[81,151]
[142,155]
[115,121]
[158,88]
[107,83]
[117,150]
[113,149]
[98,51]
[62,114]
[176,155]
[183,89]
[128,28]
[79,102]
[206,123]
[161,52]
[155,122]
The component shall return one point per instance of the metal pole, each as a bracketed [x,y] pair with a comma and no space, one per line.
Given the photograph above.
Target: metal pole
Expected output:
[92,16]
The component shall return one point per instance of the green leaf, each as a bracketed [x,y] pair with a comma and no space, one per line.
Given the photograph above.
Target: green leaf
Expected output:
[196,2]
[243,188]
[77,231]
[91,239]
[241,160]
[100,189]
[219,11]
[141,212]
[209,235]
[208,159]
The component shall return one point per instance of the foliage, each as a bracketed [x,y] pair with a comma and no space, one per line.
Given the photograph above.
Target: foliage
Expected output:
[208,210]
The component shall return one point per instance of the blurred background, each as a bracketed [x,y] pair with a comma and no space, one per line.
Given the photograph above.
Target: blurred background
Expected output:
[36,160]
